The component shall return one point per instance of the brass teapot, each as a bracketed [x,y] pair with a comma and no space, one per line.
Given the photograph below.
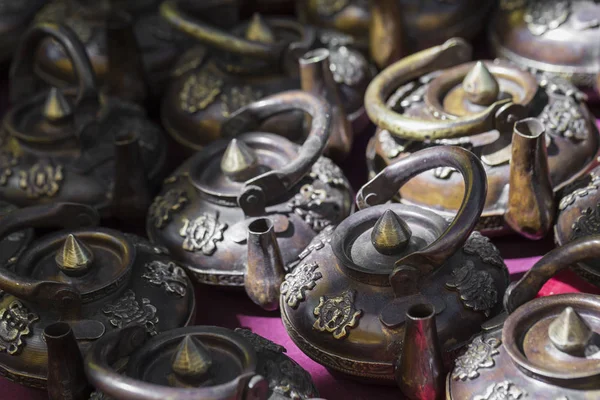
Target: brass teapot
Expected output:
[95,279]
[554,36]
[15,17]
[258,58]
[439,97]
[545,348]
[344,304]
[75,144]
[238,212]
[396,28]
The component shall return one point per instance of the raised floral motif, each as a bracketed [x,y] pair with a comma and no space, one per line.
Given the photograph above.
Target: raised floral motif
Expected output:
[588,223]
[563,117]
[476,287]
[390,147]
[327,172]
[163,206]
[314,206]
[504,390]
[42,179]
[542,16]
[15,324]
[579,193]
[479,245]
[203,233]
[168,275]
[237,98]
[199,90]
[127,311]
[347,66]
[556,85]
[480,354]
[304,277]
[337,314]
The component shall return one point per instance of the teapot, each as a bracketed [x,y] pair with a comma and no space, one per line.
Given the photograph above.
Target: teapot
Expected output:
[396,28]
[197,362]
[344,303]
[533,134]
[559,37]
[15,16]
[96,279]
[257,59]
[238,212]
[544,348]
[75,144]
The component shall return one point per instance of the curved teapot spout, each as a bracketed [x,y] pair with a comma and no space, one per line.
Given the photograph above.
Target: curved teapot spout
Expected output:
[531,204]
[386,33]
[264,273]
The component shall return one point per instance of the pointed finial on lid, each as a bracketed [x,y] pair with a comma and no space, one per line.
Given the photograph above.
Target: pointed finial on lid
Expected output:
[56,107]
[480,86]
[569,332]
[74,258]
[259,31]
[192,360]
[390,234]
[239,160]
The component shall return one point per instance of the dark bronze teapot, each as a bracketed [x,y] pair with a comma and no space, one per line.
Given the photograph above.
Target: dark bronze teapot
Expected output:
[257,59]
[545,348]
[395,28]
[439,97]
[95,279]
[199,362]
[555,36]
[228,211]
[344,303]
[15,17]
[75,144]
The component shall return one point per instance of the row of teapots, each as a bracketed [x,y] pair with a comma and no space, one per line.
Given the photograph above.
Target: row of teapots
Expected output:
[394,292]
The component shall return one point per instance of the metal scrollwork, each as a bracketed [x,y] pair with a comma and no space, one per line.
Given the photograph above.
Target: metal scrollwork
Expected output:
[347,66]
[579,193]
[169,275]
[479,245]
[563,117]
[480,354]
[315,207]
[318,242]
[505,390]
[542,16]
[327,172]
[15,324]
[304,277]
[237,98]
[337,314]
[42,179]
[162,207]
[203,233]
[199,90]
[127,311]
[476,288]
[588,223]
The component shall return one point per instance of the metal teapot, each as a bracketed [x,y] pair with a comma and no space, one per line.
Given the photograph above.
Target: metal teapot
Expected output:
[15,17]
[557,36]
[438,97]
[545,348]
[75,144]
[228,211]
[95,279]
[344,303]
[198,362]
[257,59]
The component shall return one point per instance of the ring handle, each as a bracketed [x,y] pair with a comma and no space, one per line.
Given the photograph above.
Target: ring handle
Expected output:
[388,182]
[453,52]
[262,190]
[526,288]
[23,78]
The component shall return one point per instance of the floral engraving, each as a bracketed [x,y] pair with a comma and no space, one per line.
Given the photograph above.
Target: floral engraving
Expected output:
[127,311]
[347,66]
[199,91]
[169,275]
[237,98]
[304,277]
[42,179]
[203,233]
[479,245]
[337,314]
[542,16]
[15,324]
[315,207]
[502,391]
[476,288]
[480,354]
[588,223]
[327,172]
[327,8]
[161,209]
[563,117]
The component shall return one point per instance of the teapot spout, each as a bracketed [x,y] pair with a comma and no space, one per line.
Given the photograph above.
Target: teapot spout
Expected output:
[387,39]
[420,370]
[531,204]
[66,373]
[265,272]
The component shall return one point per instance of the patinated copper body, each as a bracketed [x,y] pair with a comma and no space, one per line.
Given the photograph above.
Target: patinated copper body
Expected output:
[199,362]
[75,144]
[345,302]
[15,17]
[438,97]
[557,36]
[95,279]
[221,204]
[254,60]
[545,348]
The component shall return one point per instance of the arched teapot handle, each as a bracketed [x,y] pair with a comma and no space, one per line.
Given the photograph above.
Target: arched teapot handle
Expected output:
[23,78]
[453,52]
[260,191]
[67,215]
[387,183]
[526,288]
[231,43]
